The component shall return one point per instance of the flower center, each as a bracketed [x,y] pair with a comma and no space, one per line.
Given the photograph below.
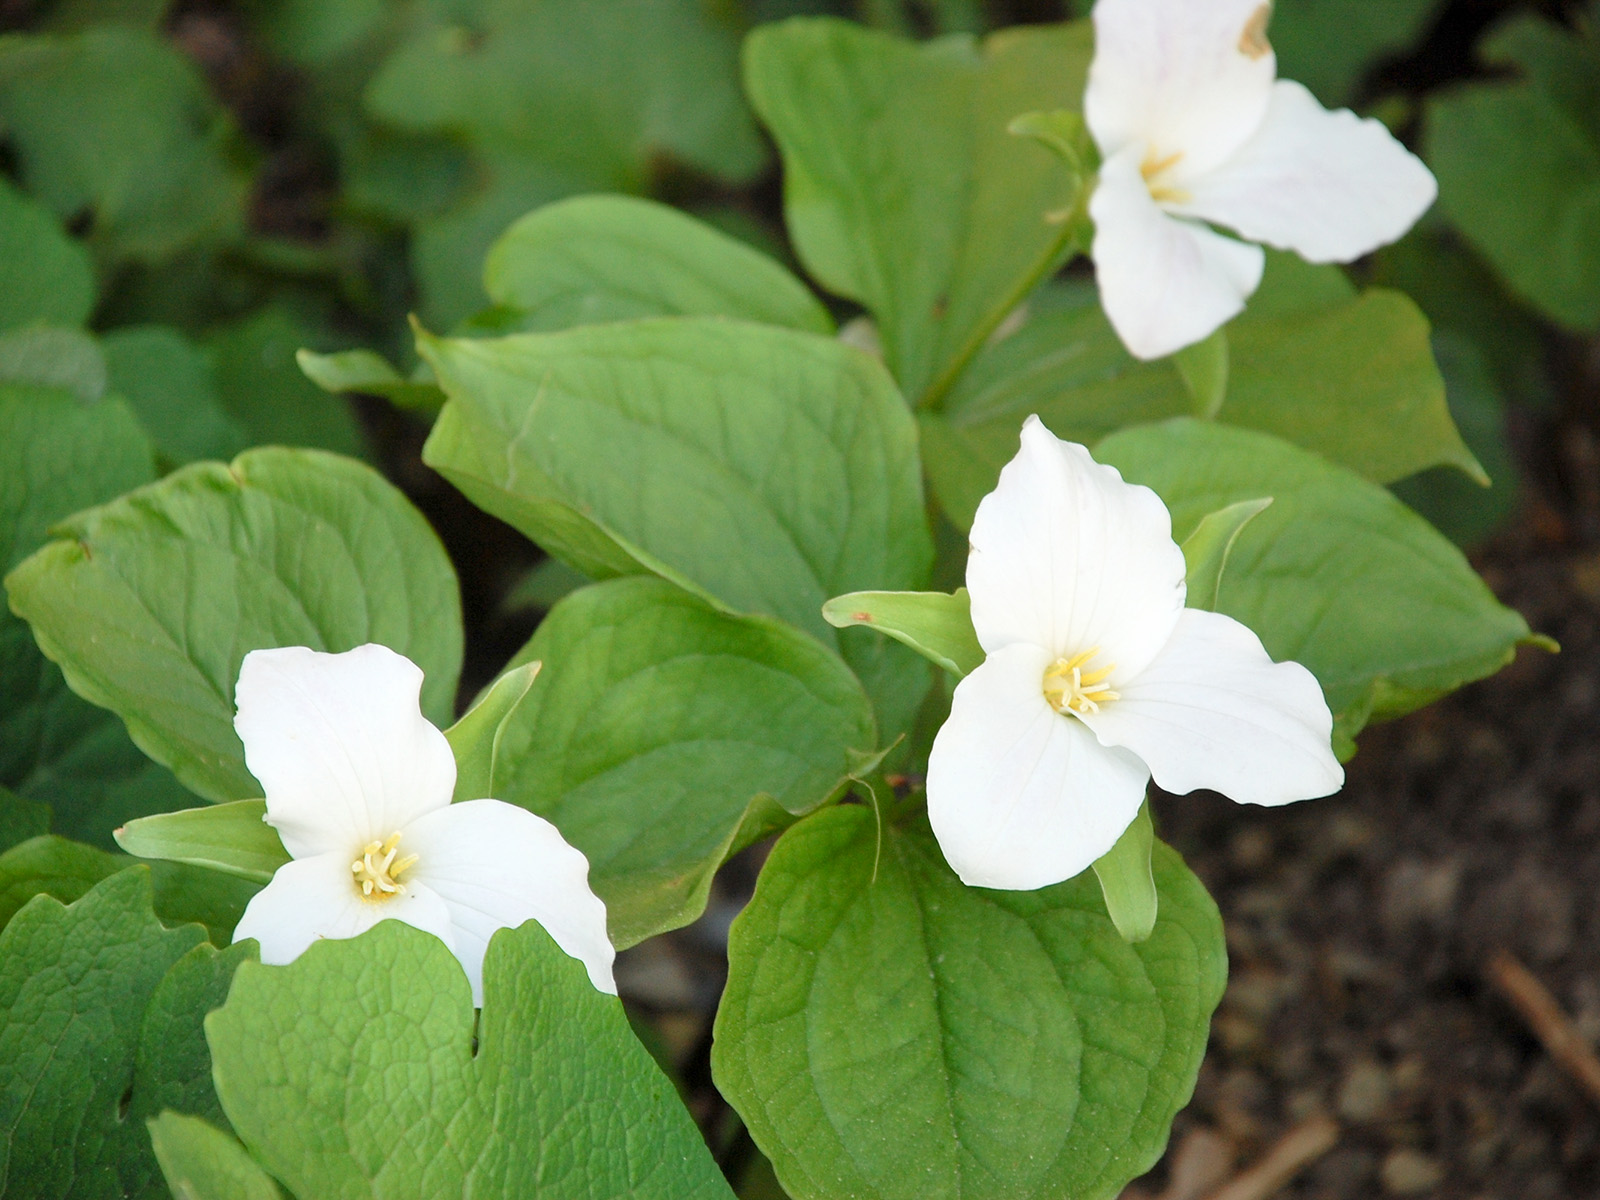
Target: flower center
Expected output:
[1153,169]
[376,871]
[1070,689]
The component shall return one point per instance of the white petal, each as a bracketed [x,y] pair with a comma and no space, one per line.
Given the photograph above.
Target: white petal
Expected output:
[496,866]
[1020,796]
[312,898]
[1188,77]
[1328,185]
[1067,557]
[339,745]
[1213,711]
[1165,283]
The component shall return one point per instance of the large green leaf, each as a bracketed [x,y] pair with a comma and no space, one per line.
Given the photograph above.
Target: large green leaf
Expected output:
[1330,45]
[594,259]
[1519,173]
[115,123]
[349,1079]
[889,1032]
[150,603]
[766,468]
[902,188]
[168,382]
[1336,574]
[662,735]
[21,819]
[44,274]
[100,1011]
[58,455]
[1350,376]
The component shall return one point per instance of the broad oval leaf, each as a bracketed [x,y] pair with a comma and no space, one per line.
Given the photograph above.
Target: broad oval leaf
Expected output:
[903,188]
[150,603]
[888,1032]
[663,735]
[346,1077]
[1337,574]
[1350,376]
[594,259]
[44,274]
[764,468]
[100,1008]
[200,1162]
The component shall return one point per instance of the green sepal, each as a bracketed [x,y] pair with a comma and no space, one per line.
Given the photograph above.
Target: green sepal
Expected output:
[475,738]
[1127,880]
[1206,550]
[937,625]
[232,838]
[1203,367]
[201,1162]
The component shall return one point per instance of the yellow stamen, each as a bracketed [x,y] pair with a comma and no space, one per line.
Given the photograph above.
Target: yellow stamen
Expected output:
[1153,168]
[1253,41]
[376,871]
[1070,689]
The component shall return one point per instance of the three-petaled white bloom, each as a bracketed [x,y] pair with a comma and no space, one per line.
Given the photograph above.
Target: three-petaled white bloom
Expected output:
[1194,126]
[1097,677]
[358,786]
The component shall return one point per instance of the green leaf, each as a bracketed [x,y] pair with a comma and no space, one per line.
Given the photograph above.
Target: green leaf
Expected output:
[200,1162]
[347,1078]
[595,259]
[1337,574]
[232,838]
[731,725]
[167,380]
[1203,367]
[1128,882]
[937,625]
[1330,45]
[58,455]
[45,275]
[903,189]
[889,1032]
[1206,550]
[50,356]
[21,819]
[765,468]
[1520,178]
[475,738]
[101,1019]
[1558,61]
[116,123]
[1351,378]
[262,389]
[150,603]
[369,373]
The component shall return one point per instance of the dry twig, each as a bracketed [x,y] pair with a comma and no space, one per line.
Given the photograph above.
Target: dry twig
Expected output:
[1289,1155]
[1554,1029]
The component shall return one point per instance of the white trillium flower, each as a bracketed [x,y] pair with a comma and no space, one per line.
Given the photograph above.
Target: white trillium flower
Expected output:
[358,785]
[1098,678]
[1193,127]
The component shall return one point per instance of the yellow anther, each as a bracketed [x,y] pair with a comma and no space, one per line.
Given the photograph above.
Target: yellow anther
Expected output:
[1153,169]
[1253,41]
[1070,690]
[377,872]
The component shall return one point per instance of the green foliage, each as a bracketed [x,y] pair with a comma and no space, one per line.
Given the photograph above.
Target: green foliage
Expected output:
[168,382]
[115,123]
[53,356]
[1518,163]
[1337,574]
[200,1162]
[348,1078]
[764,468]
[1350,376]
[903,189]
[370,373]
[233,838]
[44,274]
[1329,45]
[1206,550]
[21,819]
[594,259]
[150,603]
[730,725]
[475,739]
[1128,882]
[100,1010]
[888,1032]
